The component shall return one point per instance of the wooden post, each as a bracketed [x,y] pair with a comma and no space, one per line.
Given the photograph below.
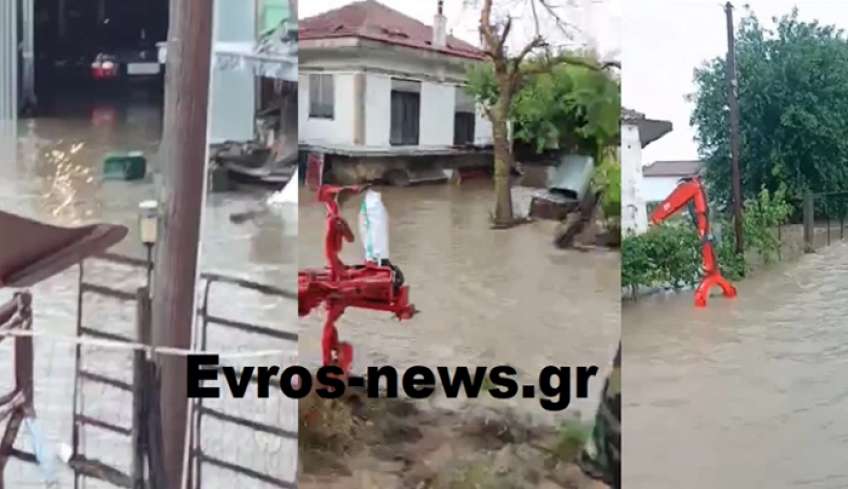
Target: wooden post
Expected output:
[733,103]
[155,452]
[140,388]
[827,218]
[809,224]
[183,157]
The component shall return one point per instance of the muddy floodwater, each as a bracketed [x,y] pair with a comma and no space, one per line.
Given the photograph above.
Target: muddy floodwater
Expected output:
[51,170]
[748,392]
[486,297]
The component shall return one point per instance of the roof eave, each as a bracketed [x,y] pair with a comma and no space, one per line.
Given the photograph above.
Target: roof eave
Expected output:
[446,52]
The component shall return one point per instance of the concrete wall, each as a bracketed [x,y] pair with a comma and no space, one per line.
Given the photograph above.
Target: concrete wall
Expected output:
[376,57]
[339,129]
[634,216]
[232,97]
[438,102]
[378,110]
[482,129]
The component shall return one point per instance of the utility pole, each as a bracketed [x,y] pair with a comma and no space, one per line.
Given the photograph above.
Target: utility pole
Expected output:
[733,103]
[183,162]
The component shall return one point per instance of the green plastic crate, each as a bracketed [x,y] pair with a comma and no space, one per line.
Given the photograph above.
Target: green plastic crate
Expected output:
[126,166]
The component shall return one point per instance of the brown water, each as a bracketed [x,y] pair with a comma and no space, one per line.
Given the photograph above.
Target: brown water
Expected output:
[746,393]
[50,169]
[487,297]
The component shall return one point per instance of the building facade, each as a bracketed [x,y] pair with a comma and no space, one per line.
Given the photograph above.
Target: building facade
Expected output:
[660,178]
[373,78]
[637,131]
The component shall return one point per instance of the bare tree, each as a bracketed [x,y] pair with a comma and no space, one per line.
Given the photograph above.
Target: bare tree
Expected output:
[509,75]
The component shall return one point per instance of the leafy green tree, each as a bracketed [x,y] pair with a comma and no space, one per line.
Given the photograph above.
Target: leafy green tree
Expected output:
[793,98]
[570,107]
[568,102]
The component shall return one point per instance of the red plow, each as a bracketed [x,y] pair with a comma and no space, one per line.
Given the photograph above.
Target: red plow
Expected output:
[373,285]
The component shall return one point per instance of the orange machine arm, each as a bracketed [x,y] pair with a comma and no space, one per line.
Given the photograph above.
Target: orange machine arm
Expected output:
[691,191]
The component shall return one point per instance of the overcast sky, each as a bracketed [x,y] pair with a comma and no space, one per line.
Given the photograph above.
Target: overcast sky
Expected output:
[464,17]
[664,40]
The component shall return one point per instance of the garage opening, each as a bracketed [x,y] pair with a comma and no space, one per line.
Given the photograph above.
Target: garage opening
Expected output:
[97,47]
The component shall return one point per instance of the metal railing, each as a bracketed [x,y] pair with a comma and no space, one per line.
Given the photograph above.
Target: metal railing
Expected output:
[823,208]
[199,457]
[18,404]
[144,437]
[133,476]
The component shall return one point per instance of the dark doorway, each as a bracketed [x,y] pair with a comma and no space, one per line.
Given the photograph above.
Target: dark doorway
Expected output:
[463,128]
[406,114]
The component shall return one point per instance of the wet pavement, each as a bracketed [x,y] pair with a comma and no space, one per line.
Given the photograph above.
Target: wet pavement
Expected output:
[53,173]
[748,392]
[486,297]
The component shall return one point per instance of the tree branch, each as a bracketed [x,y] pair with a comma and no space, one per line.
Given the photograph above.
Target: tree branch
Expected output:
[564,26]
[487,30]
[537,41]
[504,34]
[535,17]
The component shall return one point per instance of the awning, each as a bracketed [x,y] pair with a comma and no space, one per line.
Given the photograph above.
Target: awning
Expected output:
[246,57]
[274,55]
[649,129]
[33,251]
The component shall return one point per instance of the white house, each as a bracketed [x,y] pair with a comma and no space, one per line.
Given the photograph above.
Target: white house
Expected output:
[660,178]
[375,80]
[637,131]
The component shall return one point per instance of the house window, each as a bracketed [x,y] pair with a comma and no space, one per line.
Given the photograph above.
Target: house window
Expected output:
[464,118]
[406,113]
[321,96]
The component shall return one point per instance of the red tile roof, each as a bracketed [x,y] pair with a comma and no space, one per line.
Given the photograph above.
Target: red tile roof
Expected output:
[372,20]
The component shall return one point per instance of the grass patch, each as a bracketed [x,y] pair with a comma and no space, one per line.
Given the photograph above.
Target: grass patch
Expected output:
[571,436]
[327,430]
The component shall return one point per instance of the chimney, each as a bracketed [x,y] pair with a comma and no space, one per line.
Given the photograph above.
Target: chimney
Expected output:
[440,23]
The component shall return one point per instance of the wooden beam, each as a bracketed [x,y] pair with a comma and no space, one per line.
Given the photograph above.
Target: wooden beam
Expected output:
[183,156]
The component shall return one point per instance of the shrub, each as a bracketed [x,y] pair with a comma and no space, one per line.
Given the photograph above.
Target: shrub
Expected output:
[670,255]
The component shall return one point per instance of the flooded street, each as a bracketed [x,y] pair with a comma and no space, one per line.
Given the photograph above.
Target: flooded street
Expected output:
[56,176]
[746,393]
[486,297]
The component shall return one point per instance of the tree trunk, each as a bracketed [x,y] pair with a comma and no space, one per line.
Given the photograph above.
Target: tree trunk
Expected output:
[503,164]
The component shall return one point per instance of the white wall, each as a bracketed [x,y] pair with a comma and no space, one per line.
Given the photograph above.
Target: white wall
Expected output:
[437,114]
[634,216]
[378,110]
[482,129]
[438,101]
[339,129]
[656,189]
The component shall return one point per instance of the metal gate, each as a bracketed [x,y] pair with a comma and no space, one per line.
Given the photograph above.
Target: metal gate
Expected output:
[111,357]
[126,432]
[202,456]
[17,404]
[139,430]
